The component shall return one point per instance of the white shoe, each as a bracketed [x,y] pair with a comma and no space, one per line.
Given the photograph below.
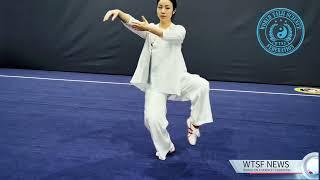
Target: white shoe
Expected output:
[171,150]
[193,133]
[160,157]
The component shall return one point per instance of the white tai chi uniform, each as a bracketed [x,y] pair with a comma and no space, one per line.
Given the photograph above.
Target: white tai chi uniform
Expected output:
[162,74]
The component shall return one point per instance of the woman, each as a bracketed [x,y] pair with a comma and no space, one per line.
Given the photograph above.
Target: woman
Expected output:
[162,74]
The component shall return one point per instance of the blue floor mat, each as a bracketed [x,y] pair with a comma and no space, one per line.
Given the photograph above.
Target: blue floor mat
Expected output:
[85,130]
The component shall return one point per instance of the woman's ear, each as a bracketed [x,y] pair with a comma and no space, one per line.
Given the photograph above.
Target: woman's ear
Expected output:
[174,12]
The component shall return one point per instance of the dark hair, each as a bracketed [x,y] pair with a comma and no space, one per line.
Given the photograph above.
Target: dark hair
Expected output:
[174,3]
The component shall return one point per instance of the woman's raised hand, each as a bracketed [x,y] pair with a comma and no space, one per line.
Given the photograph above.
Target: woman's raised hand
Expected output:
[141,26]
[114,13]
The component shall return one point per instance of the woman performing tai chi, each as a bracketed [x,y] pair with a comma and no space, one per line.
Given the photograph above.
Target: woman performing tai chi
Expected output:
[162,74]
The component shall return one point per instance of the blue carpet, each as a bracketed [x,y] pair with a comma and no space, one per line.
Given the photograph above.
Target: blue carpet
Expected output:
[79,130]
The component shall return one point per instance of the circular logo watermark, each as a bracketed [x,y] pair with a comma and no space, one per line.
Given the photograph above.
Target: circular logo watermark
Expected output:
[310,166]
[280,31]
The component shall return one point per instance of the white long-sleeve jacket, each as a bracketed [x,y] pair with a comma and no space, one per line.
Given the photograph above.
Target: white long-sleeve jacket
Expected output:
[166,59]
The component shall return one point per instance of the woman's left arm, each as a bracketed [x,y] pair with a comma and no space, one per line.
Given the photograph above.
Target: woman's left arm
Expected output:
[145,26]
[174,34]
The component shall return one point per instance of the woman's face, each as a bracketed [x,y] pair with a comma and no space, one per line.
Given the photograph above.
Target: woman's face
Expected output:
[164,10]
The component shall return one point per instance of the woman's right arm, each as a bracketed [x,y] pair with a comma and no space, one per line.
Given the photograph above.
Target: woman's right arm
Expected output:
[126,19]
[117,13]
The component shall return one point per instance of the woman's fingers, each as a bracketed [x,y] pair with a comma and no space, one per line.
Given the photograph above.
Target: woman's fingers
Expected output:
[115,14]
[134,24]
[144,19]
[138,24]
[106,17]
[137,27]
[110,13]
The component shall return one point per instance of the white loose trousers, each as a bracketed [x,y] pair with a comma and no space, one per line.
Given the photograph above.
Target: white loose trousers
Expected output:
[193,88]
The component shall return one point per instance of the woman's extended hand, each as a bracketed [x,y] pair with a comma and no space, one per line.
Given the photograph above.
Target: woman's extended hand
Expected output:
[114,13]
[141,26]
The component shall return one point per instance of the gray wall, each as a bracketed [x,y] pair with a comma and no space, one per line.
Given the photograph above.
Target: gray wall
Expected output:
[221,41]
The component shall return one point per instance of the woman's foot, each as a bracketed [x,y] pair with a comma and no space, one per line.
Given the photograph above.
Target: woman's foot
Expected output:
[171,151]
[193,133]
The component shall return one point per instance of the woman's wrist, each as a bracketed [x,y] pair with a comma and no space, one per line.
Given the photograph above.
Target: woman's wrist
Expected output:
[149,28]
[155,30]
[123,16]
[120,13]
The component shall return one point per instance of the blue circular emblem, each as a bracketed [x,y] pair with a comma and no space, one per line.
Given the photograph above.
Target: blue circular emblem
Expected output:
[280,31]
[310,165]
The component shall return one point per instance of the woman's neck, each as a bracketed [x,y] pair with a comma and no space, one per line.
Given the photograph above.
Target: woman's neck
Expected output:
[165,24]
